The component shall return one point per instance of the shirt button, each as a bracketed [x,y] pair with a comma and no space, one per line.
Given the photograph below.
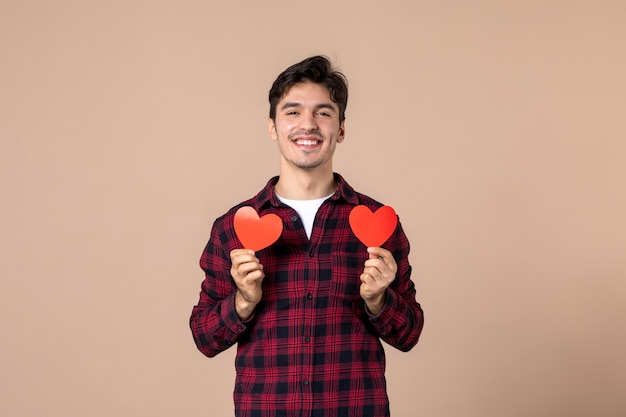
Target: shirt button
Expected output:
[305,382]
[311,254]
[309,297]
[307,339]
[294,218]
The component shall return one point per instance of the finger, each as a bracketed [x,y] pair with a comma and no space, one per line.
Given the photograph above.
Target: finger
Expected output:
[386,258]
[240,256]
[367,279]
[375,263]
[372,271]
[371,276]
[254,276]
[379,278]
[369,286]
[378,269]
[239,252]
[248,267]
[377,252]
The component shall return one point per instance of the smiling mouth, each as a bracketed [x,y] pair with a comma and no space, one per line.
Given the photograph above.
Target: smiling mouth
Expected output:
[307,142]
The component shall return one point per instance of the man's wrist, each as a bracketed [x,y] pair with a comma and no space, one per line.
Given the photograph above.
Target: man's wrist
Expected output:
[376,306]
[243,308]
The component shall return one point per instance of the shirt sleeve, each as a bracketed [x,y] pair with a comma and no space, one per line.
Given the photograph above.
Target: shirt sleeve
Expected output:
[214,323]
[401,320]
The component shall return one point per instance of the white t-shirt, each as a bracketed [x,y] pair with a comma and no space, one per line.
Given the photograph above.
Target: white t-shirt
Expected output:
[306,209]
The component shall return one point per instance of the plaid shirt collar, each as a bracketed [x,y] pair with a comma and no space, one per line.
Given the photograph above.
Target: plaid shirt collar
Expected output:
[267,196]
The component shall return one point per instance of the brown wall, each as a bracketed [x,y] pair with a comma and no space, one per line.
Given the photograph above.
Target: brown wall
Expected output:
[496,129]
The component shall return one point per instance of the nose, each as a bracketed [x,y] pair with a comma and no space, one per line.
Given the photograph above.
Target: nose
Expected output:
[308,122]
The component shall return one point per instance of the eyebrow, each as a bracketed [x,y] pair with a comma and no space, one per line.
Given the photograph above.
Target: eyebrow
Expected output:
[292,104]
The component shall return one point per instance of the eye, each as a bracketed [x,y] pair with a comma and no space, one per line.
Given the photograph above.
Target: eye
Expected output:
[324,114]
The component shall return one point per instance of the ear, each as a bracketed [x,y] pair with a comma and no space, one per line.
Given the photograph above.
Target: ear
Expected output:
[342,132]
[271,126]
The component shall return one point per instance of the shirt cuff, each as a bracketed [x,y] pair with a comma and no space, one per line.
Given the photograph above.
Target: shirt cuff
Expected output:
[230,317]
[386,314]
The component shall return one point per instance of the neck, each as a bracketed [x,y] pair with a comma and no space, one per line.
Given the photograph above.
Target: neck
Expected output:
[305,185]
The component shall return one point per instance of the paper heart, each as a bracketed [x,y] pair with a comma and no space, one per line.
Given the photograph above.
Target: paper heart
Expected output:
[373,229]
[256,232]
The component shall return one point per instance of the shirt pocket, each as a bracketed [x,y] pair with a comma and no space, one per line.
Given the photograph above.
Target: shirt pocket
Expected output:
[347,270]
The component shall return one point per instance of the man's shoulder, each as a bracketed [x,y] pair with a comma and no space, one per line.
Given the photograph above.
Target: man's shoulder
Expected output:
[368,201]
[353,197]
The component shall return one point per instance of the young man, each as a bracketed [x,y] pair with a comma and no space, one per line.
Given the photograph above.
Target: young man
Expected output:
[308,312]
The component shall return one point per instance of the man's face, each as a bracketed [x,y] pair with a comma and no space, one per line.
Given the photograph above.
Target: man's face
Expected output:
[307,127]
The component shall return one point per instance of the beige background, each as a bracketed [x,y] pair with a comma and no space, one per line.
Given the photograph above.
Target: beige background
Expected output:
[496,129]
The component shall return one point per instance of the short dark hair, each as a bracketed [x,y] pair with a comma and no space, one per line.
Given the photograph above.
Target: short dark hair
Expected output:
[318,70]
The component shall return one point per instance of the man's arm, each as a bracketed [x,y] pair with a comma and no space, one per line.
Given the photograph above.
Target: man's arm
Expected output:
[230,292]
[389,294]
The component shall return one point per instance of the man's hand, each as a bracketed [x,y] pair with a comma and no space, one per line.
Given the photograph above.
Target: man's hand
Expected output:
[380,271]
[248,275]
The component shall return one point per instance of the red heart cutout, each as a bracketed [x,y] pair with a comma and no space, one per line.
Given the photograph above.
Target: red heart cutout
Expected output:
[373,229]
[256,232]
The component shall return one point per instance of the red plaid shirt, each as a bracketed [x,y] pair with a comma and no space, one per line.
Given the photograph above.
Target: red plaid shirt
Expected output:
[311,348]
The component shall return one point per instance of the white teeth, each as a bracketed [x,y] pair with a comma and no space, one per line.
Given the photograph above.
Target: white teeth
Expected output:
[306,142]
